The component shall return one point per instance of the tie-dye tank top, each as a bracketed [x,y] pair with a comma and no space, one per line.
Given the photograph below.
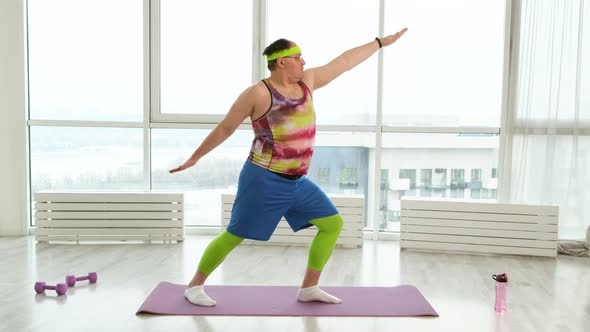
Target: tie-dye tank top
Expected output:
[285,134]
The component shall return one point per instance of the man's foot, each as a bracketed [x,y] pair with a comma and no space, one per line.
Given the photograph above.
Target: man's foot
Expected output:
[196,295]
[314,293]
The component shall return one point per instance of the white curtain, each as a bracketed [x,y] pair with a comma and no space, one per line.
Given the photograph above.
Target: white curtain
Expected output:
[547,128]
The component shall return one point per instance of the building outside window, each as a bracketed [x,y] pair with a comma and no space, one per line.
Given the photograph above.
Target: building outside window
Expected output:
[426,182]
[475,183]
[348,177]
[457,183]
[324,175]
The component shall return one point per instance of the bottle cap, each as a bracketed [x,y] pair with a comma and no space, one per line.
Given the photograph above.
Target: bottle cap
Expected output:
[500,277]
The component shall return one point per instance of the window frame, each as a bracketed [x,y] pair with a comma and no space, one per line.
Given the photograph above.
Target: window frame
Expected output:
[156,115]
[153,118]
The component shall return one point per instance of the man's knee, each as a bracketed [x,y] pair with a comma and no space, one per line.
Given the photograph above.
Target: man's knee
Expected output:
[338,222]
[331,224]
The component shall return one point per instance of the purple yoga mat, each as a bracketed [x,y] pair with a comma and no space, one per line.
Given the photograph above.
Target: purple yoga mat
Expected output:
[405,300]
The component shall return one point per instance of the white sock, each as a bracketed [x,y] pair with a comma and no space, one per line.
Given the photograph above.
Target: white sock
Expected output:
[314,293]
[196,295]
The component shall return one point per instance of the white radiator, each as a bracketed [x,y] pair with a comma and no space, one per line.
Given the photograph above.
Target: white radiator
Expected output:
[350,207]
[108,216]
[479,227]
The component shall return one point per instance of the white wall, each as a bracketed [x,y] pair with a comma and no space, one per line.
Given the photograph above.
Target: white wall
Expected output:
[13,130]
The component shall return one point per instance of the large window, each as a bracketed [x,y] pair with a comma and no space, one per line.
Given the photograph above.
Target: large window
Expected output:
[447,69]
[205,55]
[344,157]
[203,184]
[85,60]
[86,158]
[70,158]
[435,166]
[115,87]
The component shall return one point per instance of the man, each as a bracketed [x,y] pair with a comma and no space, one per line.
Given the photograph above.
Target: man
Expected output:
[272,183]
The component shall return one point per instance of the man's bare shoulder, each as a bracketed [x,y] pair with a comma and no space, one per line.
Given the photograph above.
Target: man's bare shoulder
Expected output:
[253,94]
[258,90]
[259,96]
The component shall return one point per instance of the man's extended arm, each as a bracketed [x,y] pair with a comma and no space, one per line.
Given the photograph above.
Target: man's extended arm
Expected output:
[240,110]
[320,76]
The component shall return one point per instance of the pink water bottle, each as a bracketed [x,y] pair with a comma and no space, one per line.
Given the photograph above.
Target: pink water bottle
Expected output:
[501,288]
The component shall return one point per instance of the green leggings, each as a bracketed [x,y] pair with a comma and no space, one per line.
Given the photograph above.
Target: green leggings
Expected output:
[319,252]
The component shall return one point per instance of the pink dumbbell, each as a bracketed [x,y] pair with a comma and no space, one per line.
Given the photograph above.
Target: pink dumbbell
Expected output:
[71,280]
[40,287]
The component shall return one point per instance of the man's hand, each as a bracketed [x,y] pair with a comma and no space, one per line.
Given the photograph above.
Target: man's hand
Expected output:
[386,41]
[187,164]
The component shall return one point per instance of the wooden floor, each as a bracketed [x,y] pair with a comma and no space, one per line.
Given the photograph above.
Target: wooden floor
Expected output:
[544,294]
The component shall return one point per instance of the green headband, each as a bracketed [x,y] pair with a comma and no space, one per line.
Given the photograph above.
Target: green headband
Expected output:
[283,53]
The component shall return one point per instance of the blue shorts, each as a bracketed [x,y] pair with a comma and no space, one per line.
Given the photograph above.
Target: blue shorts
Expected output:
[264,197]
